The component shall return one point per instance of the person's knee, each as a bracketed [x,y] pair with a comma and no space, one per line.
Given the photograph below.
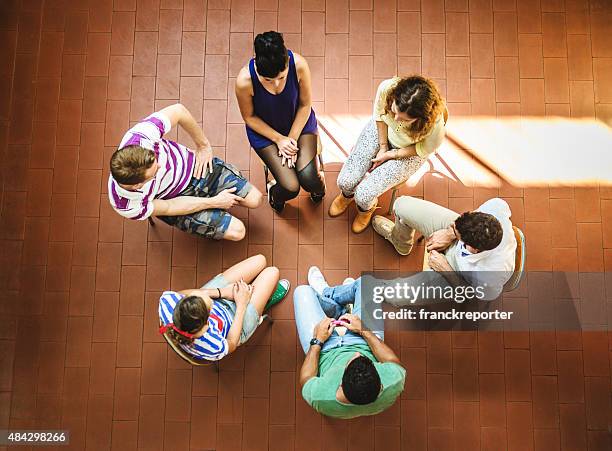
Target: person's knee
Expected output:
[236,231]
[310,178]
[364,198]
[301,292]
[260,260]
[272,271]
[291,187]
[345,182]
[254,199]
[403,205]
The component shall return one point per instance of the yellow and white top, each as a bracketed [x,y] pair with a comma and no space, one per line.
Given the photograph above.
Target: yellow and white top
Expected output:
[398,134]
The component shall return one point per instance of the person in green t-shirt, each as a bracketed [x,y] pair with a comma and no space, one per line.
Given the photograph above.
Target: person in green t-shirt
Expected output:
[348,371]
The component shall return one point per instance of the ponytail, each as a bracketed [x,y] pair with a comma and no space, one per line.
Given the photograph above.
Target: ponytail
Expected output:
[271,55]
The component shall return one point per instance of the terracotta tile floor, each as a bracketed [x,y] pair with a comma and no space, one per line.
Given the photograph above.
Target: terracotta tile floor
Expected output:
[79,347]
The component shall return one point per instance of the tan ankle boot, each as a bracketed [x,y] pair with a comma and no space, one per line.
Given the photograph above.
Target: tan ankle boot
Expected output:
[362,220]
[396,233]
[339,205]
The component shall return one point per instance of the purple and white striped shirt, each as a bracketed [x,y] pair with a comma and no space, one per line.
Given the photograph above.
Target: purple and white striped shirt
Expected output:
[176,162]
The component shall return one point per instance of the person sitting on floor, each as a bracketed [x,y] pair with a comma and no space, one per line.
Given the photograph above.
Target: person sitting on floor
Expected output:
[477,247]
[407,126]
[188,189]
[274,96]
[343,375]
[211,322]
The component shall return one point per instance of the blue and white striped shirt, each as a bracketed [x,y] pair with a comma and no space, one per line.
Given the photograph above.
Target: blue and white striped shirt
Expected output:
[213,344]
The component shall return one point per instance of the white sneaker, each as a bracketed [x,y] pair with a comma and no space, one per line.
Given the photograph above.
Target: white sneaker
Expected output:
[316,280]
[348,281]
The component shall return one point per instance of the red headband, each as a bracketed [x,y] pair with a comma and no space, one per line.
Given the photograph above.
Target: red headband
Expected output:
[164,329]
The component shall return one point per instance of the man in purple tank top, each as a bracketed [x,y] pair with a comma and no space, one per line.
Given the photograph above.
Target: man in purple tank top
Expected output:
[274,96]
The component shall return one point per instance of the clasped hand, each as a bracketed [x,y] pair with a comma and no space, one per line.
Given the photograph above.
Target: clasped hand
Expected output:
[440,240]
[382,156]
[438,262]
[324,329]
[287,150]
[241,292]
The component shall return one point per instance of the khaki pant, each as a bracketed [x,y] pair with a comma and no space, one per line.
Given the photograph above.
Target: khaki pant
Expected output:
[426,217]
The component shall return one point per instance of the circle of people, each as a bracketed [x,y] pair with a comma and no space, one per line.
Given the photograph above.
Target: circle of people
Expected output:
[348,371]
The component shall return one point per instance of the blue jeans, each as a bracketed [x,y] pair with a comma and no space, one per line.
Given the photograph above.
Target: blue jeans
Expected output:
[310,309]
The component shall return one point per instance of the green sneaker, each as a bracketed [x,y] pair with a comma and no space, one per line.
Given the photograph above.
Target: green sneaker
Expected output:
[279,294]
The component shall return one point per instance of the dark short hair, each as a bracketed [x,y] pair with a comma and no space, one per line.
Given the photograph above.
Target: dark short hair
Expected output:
[270,54]
[361,382]
[190,315]
[129,164]
[479,230]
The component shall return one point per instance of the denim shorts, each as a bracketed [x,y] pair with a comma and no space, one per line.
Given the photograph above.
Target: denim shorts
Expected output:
[251,317]
[214,222]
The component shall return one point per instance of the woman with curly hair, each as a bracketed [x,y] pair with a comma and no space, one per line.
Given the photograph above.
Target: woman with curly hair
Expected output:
[407,126]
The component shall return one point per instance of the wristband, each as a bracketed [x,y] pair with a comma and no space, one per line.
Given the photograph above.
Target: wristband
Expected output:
[219,290]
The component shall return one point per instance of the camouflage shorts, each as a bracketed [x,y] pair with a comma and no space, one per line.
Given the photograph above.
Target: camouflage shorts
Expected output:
[212,223]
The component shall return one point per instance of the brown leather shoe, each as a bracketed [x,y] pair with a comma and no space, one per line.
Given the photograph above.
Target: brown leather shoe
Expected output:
[339,205]
[362,220]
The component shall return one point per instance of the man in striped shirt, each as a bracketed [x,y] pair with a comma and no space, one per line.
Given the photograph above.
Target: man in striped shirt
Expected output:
[188,189]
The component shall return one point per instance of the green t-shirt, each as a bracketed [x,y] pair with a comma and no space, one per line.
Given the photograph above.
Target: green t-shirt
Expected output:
[320,392]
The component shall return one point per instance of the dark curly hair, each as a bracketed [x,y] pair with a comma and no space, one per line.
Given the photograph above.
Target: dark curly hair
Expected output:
[190,315]
[419,98]
[361,382]
[479,230]
[271,55]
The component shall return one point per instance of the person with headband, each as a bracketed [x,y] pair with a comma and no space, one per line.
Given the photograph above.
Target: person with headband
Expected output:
[211,322]
[407,126]
[274,96]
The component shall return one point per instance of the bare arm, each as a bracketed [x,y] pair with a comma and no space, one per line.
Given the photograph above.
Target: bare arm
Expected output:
[180,115]
[244,95]
[438,262]
[380,349]
[233,336]
[213,293]
[383,139]
[242,295]
[182,205]
[305,107]
[310,367]
[406,152]
[384,154]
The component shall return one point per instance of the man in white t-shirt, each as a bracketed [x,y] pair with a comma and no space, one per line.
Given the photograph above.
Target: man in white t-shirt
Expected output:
[476,248]
[186,188]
